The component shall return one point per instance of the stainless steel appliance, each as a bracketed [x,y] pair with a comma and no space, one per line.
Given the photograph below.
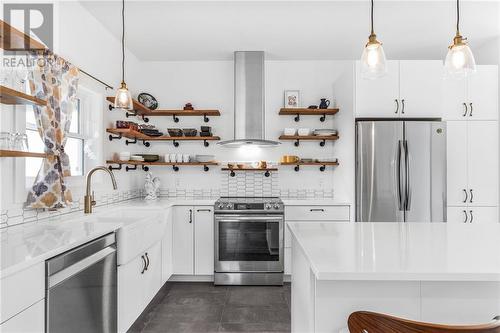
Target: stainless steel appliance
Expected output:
[81,289]
[249,241]
[400,171]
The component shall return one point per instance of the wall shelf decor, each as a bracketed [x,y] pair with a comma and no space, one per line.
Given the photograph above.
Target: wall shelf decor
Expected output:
[10,96]
[297,112]
[232,171]
[144,112]
[119,133]
[322,165]
[16,153]
[321,138]
[132,165]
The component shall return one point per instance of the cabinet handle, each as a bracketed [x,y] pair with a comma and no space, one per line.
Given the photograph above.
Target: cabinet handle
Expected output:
[190,216]
[466,195]
[317,210]
[397,106]
[466,216]
[465,110]
[147,264]
[471,216]
[144,264]
[471,196]
[470,113]
[403,106]
[203,210]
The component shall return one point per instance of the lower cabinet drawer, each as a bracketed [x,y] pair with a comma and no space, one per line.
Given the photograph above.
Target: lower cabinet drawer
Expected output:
[317,213]
[31,320]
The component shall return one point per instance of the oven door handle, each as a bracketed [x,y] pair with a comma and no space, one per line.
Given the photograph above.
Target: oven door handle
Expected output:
[250,218]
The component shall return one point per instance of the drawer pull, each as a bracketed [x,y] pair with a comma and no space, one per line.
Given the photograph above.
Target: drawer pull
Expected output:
[203,210]
[317,210]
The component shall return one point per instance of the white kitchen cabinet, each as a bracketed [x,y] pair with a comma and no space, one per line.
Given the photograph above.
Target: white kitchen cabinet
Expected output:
[411,88]
[474,97]
[138,281]
[183,240]
[203,240]
[466,214]
[166,244]
[457,162]
[30,320]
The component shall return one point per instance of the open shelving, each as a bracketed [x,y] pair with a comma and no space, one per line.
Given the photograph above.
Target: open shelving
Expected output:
[132,165]
[321,138]
[17,153]
[322,165]
[232,171]
[11,96]
[297,112]
[144,112]
[119,133]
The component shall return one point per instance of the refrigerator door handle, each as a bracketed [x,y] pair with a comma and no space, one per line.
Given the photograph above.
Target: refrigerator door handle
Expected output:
[399,176]
[408,191]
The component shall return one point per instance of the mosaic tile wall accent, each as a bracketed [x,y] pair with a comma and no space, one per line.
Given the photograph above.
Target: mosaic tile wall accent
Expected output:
[19,215]
[250,184]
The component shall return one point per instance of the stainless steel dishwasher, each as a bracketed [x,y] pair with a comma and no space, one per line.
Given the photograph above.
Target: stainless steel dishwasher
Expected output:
[81,289]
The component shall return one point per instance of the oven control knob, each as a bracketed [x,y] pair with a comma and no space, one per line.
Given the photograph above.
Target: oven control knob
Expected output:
[268,206]
[229,206]
[276,206]
[220,206]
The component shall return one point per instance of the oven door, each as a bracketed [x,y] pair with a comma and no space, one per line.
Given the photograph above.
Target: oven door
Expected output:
[249,243]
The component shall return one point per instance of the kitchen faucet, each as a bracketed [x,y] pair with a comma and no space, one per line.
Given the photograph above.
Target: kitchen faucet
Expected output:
[89,198]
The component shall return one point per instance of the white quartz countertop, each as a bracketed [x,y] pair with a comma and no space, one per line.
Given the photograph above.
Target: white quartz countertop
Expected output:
[400,251]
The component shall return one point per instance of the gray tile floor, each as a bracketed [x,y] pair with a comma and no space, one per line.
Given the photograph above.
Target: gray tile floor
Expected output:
[202,307]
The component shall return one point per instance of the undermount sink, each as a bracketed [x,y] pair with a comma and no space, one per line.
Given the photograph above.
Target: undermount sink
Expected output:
[141,229]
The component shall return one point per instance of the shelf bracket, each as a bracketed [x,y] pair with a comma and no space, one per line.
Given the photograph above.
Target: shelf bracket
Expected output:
[297,143]
[322,118]
[145,168]
[205,168]
[147,144]
[176,119]
[322,168]
[205,118]
[128,168]
[297,168]
[111,137]
[175,167]
[205,143]
[111,107]
[119,167]
[297,118]
[127,142]
[232,173]
[267,173]
[146,119]
[176,144]
[130,114]
[322,143]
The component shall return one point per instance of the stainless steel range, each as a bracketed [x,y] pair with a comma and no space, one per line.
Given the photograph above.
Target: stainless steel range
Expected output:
[249,240]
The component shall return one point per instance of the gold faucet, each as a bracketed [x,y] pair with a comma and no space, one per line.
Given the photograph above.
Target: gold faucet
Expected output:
[89,198]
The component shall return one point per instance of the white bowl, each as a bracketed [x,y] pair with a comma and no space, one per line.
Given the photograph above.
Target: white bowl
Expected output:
[204,158]
[289,131]
[124,156]
[304,131]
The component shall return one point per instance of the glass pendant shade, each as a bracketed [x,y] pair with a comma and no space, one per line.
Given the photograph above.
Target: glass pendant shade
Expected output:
[123,98]
[459,61]
[373,62]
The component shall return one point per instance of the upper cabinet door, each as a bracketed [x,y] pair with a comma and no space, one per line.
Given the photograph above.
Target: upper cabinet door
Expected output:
[483,163]
[455,99]
[456,160]
[421,88]
[483,94]
[378,98]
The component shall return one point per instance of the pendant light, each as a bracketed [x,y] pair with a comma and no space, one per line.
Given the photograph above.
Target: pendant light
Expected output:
[459,61]
[123,99]
[373,62]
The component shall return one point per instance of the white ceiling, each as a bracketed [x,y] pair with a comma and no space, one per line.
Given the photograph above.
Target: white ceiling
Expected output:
[209,30]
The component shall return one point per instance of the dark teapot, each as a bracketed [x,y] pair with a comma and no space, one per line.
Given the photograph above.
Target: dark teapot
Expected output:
[324,103]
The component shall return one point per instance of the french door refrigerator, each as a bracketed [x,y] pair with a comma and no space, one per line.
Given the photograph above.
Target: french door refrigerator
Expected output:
[400,171]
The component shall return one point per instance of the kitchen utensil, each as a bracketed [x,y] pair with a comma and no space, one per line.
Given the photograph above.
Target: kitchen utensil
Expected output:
[289,131]
[306,160]
[204,158]
[150,132]
[185,158]
[205,128]
[304,131]
[148,101]
[190,131]
[327,160]
[325,103]
[174,131]
[124,156]
[231,165]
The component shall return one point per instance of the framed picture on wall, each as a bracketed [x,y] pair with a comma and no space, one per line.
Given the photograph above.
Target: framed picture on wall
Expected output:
[292,99]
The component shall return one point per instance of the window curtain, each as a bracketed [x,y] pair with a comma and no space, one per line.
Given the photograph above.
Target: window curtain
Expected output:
[55,80]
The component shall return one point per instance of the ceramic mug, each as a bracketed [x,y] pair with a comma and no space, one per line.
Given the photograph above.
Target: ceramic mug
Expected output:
[178,158]
[185,158]
[171,158]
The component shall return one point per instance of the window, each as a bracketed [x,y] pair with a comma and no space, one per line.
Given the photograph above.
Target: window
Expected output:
[74,145]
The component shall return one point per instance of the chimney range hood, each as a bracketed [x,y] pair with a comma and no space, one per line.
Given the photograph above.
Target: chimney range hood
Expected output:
[249,101]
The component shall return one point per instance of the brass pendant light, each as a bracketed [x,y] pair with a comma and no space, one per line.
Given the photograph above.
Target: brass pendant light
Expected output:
[123,98]
[459,61]
[373,61]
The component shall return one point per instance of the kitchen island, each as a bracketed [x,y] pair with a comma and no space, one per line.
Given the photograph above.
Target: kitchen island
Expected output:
[434,272]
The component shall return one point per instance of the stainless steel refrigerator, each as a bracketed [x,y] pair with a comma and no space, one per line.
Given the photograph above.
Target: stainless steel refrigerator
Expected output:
[400,171]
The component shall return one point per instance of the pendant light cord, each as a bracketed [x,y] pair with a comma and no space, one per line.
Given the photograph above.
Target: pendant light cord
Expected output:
[458,17]
[372,16]
[123,41]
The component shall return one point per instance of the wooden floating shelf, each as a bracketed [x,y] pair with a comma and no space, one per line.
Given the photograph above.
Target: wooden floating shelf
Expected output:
[136,135]
[16,153]
[12,39]
[144,112]
[297,112]
[145,165]
[14,97]
[298,138]
[232,171]
[322,165]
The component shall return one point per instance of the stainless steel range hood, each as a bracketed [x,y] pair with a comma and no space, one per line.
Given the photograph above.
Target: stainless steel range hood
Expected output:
[249,101]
